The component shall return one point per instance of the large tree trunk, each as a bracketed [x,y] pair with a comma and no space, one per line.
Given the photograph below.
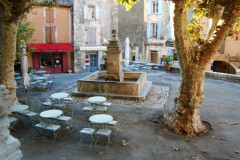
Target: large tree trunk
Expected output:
[185,117]
[7,57]
[193,57]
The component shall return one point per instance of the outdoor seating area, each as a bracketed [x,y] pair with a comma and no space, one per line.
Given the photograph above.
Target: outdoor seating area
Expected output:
[143,66]
[60,112]
[38,80]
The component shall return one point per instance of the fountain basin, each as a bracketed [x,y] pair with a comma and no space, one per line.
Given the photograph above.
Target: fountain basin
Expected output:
[134,86]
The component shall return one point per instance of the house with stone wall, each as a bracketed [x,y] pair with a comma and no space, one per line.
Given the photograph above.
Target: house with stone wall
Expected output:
[93,22]
[52,40]
[147,25]
[227,58]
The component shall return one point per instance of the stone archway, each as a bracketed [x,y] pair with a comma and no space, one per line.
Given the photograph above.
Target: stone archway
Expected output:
[223,67]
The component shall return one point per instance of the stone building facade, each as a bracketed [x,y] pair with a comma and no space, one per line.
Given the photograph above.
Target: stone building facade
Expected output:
[93,22]
[147,25]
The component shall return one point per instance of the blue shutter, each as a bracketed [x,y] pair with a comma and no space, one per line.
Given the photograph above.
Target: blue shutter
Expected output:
[159,30]
[160,6]
[148,30]
[149,7]
[85,11]
[97,12]
[169,31]
[169,53]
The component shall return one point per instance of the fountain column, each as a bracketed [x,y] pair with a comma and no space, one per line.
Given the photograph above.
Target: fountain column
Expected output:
[114,60]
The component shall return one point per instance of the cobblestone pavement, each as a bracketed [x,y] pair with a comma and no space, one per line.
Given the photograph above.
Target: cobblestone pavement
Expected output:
[138,126]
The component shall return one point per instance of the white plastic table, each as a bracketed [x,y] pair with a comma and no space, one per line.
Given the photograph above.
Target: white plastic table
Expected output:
[17,78]
[59,95]
[40,72]
[100,118]
[18,108]
[53,113]
[149,64]
[40,78]
[97,99]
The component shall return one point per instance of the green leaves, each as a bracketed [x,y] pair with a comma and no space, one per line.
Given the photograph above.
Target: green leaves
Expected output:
[24,33]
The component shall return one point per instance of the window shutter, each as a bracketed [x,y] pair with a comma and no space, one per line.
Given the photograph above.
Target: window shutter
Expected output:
[47,15]
[48,35]
[159,30]
[149,8]
[97,12]
[53,30]
[51,15]
[91,35]
[148,30]
[169,53]
[160,6]
[85,11]
[169,31]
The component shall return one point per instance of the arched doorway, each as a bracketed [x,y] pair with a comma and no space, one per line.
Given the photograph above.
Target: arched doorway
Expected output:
[224,67]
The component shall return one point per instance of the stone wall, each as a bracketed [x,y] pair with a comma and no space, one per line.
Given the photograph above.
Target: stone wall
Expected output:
[131,24]
[9,146]
[209,74]
[108,19]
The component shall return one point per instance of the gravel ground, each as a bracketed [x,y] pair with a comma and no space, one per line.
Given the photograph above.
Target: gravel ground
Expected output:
[156,98]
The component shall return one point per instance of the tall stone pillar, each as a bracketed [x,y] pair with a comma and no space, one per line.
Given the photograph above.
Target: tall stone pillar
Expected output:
[114,60]
[8,144]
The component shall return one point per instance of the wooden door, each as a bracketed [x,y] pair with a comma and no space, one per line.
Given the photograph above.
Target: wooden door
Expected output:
[153,57]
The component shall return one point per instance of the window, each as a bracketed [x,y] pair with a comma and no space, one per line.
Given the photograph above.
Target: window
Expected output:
[154,7]
[49,15]
[91,12]
[46,60]
[154,27]
[91,36]
[50,34]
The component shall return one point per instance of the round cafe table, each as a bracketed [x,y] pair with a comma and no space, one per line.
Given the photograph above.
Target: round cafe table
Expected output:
[59,95]
[40,78]
[18,108]
[100,118]
[40,72]
[53,113]
[97,99]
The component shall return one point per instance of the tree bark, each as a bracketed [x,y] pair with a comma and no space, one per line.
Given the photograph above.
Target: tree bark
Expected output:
[193,60]
[186,117]
[7,57]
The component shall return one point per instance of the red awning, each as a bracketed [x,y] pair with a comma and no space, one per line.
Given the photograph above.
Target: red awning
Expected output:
[51,47]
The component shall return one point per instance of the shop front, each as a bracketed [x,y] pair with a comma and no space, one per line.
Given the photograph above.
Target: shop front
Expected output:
[51,57]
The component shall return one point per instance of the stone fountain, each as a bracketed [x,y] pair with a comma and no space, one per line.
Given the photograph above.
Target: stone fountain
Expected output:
[114,83]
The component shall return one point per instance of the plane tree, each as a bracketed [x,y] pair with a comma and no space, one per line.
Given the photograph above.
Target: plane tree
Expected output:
[195,49]
[11,12]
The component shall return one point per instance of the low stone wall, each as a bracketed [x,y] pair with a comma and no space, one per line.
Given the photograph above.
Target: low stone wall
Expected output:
[9,146]
[213,75]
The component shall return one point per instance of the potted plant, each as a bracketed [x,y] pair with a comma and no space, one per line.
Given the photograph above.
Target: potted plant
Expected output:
[167,61]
